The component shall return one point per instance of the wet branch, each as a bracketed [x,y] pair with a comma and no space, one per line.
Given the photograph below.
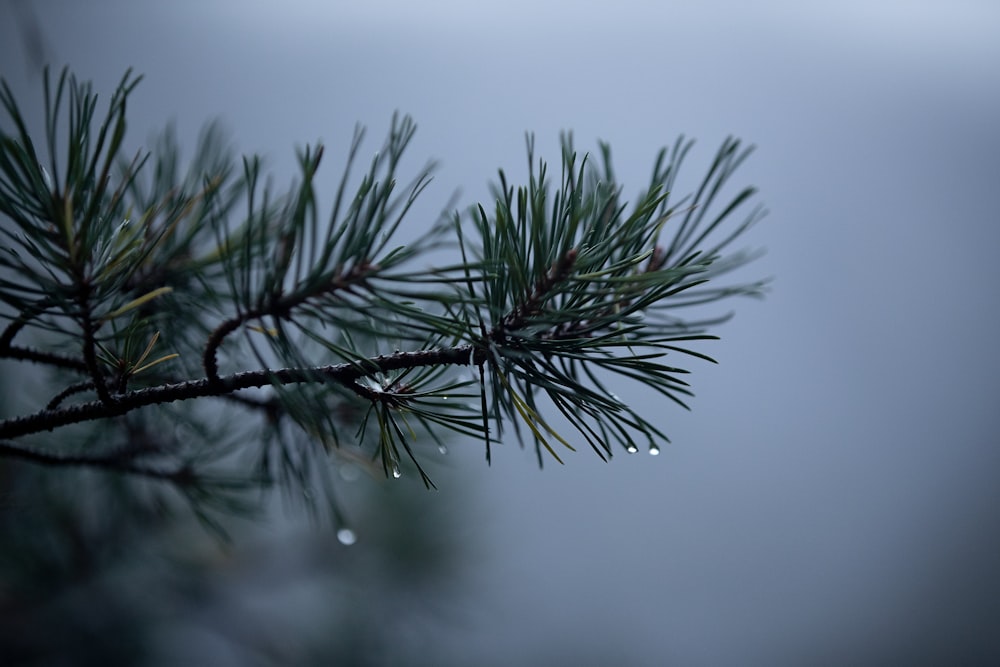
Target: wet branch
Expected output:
[344,374]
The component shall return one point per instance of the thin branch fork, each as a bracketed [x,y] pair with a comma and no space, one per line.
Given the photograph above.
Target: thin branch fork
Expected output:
[279,306]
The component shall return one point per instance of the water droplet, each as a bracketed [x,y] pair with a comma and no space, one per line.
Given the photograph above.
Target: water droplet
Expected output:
[631,449]
[444,398]
[654,450]
[346,536]
[395,472]
[442,449]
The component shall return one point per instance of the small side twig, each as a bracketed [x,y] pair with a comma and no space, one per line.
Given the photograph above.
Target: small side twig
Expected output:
[90,346]
[559,271]
[10,351]
[77,388]
[39,357]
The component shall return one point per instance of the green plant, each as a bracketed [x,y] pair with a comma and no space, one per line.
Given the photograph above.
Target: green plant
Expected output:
[166,309]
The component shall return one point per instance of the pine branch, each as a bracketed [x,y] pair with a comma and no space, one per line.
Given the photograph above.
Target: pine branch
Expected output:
[562,291]
[344,374]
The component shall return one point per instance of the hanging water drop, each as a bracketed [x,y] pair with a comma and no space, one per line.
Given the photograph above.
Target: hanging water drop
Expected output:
[346,536]
[654,450]
[442,450]
[631,449]
[395,472]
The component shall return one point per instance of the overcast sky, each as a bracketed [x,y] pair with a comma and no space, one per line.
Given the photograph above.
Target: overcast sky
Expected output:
[832,496]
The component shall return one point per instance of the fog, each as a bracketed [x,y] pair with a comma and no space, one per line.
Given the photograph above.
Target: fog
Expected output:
[832,496]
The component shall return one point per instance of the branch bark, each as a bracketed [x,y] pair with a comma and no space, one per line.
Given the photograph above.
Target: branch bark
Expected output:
[48,420]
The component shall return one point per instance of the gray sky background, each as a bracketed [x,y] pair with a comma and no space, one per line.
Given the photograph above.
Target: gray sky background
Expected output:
[833,495]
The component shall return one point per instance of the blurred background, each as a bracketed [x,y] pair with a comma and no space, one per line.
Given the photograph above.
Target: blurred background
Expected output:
[832,498]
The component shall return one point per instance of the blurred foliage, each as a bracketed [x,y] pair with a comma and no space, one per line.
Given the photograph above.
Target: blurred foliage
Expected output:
[80,588]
